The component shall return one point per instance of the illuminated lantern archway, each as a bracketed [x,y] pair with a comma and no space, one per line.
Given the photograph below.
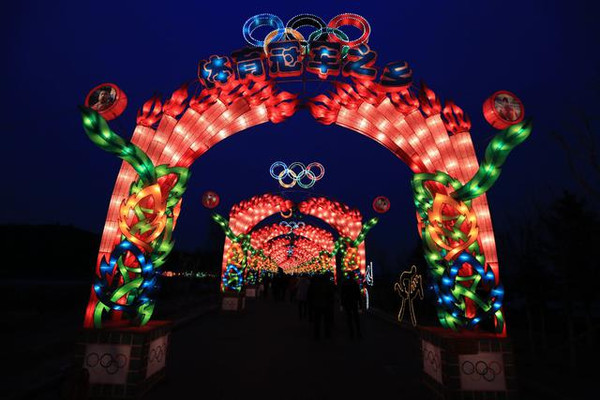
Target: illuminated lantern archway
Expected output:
[315,247]
[240,92]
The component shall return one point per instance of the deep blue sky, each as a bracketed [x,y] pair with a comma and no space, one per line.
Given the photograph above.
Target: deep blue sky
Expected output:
[54,52]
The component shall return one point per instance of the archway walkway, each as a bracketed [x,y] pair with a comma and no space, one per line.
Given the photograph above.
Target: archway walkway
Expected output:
[266,352]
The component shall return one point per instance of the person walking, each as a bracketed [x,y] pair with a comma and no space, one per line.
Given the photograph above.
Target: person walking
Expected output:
[302,296]
[322,302]
[351,300]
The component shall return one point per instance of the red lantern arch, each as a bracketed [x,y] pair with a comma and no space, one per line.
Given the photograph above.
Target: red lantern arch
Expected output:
[432,138]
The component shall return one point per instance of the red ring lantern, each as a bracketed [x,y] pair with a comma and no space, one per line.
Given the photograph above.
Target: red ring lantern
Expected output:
[108,100]
[210,199]
[354,20]
[381,204]
[503,109]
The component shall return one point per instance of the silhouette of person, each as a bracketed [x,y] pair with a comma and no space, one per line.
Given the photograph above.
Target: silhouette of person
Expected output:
[302,296]
[351,299]
[322,301]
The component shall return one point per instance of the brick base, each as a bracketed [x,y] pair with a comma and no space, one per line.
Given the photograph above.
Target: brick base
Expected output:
[467,365]
[123,362]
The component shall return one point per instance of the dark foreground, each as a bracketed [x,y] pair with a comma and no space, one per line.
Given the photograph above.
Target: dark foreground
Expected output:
[266,352]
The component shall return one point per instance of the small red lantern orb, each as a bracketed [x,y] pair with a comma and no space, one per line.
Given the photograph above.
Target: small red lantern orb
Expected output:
[381,204]
[108,100]
[503,109]
[210,199]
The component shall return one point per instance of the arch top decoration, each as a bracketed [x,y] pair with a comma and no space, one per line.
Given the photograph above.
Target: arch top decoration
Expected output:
[240,91]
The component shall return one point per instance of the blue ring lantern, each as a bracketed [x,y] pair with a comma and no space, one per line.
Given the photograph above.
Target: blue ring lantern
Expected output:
[259,20]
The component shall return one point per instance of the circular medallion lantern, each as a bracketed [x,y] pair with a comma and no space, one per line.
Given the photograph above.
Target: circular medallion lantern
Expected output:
[503,109]
[210,199]
[108,100]
[381,204]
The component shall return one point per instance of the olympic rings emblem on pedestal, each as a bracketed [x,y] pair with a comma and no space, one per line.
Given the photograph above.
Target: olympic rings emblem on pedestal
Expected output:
[158,353]
[481,369]
[296,173]
[111,363]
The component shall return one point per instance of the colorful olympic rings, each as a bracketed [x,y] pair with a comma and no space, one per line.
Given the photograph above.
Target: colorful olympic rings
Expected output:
[262,20]
[297,176]
[311,20]
[322,32]
[292,224]
[273,34]
[354,20]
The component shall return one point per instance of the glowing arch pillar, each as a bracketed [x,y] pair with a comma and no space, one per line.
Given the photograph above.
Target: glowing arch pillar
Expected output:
[441,150]
[212,116]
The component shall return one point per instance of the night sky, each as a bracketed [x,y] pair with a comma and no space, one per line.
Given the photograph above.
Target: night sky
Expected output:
[55,52]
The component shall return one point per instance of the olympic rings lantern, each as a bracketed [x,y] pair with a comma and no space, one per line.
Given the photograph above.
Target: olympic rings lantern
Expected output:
[210,199]
[108,100]
[297,173]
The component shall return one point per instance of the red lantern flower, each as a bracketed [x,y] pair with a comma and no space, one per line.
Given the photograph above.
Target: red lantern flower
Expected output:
[108,100]
[381,204]
[503,109]
[210,199]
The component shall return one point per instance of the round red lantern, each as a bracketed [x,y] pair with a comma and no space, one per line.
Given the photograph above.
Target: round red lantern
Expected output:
[503,109]
[381,204]
[108,100]
[210,199]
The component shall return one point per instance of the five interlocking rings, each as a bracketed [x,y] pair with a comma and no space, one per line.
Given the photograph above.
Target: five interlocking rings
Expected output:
[158,353]
[481,369]
[292,224]
[112,363]
[323,31]
[296,173]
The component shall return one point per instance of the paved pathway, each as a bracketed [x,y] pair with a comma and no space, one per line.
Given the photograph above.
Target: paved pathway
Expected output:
[268,353]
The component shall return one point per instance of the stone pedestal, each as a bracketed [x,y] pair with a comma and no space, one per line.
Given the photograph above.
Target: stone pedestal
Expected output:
[467,365]
[252,291]
[124,362]
[233,301]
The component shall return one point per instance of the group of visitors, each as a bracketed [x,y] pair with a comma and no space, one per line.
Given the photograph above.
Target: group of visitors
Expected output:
[316,298]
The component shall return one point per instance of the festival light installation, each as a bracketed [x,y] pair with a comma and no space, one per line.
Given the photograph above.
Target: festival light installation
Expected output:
[240,91]
[409,287]
[296,247]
